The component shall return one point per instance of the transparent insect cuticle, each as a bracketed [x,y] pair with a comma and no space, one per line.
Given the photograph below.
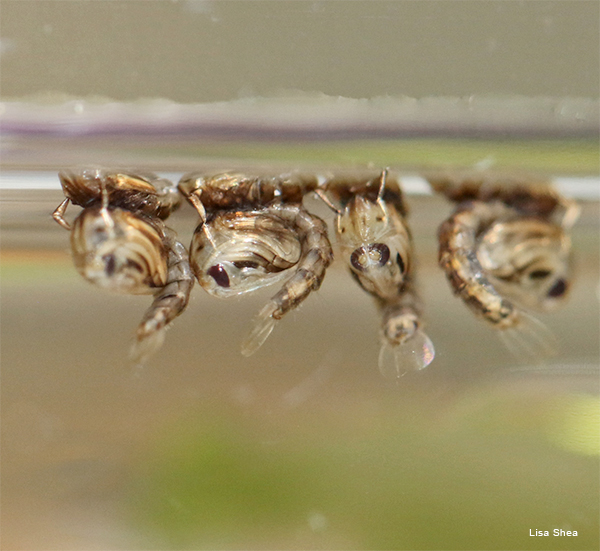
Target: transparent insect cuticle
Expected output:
[505,249]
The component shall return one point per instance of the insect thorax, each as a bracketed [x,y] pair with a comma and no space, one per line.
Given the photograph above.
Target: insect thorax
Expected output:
[148,194]
[527,259]
[120,251]
[240,251]
[230,191]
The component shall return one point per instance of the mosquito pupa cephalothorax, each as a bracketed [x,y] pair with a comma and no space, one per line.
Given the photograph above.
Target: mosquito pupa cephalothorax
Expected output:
[120,242]
[505,250]
[255,232]
[375,242]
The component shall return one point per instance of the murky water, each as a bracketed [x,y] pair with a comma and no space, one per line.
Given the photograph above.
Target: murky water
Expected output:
[303,445]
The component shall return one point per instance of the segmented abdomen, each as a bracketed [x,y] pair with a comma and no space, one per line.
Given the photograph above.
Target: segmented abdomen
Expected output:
[458,257]
[172,299]
[316,256]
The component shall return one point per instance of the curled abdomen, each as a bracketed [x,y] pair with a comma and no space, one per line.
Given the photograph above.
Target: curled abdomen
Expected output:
[169,302]
[308,275]
[317,255]
[458,258]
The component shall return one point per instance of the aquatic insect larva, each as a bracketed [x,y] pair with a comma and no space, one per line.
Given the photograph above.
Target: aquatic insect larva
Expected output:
[506,249]
[255,232]
[120,242]
[376,243]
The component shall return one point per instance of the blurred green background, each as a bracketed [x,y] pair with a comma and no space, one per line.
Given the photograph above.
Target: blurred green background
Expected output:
[301,446]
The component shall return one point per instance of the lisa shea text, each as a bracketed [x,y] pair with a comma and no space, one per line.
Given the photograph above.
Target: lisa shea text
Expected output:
[555,532]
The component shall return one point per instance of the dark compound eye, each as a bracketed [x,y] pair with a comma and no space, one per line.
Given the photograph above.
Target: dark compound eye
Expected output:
[134,265]
[539,274]
[109,264]
[99,234]
[384,252]
[377,251]
[355,259]
[400,263]
[558,289]
[219,274]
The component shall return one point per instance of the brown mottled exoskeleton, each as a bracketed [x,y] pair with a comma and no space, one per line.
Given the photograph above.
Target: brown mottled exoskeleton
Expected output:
[254,232]
[120,242]
[505,249]
[372,230]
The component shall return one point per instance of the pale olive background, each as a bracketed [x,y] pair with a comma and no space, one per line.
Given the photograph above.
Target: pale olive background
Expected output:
[203,51]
